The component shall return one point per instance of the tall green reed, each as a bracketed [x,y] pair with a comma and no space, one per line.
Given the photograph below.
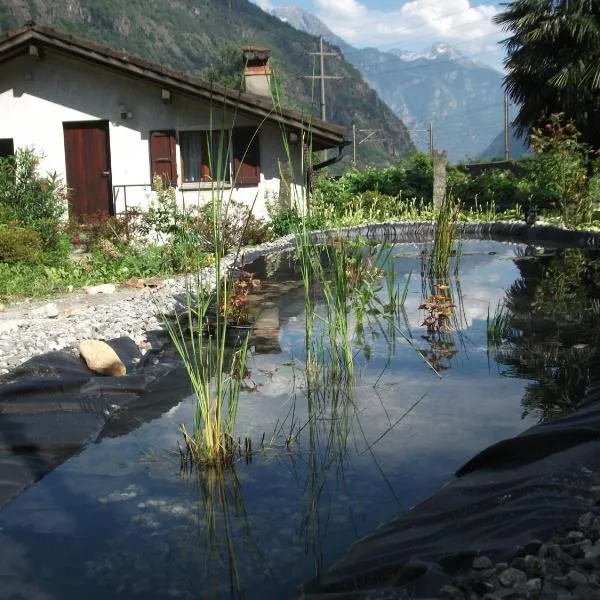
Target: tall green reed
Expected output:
[445,230]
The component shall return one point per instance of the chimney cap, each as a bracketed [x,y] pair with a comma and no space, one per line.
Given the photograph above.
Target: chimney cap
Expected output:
[256,52]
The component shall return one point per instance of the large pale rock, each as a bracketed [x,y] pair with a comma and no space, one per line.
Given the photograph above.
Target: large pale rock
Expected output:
[101,358]
[105,288]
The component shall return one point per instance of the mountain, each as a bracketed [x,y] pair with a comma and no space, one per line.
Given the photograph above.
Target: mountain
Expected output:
[194,35]
[518,147]
[462,97]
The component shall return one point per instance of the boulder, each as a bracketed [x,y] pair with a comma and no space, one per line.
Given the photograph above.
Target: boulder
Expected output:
[101,358]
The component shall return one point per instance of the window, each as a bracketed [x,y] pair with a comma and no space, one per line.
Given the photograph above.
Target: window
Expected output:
[246,156]
[219,156]
[205,156]
[7,147]
[163,160]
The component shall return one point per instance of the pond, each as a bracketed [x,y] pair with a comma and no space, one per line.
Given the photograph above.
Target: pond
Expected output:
[119,520]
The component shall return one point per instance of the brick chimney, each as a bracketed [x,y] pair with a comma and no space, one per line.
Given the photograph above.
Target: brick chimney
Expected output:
[258,70]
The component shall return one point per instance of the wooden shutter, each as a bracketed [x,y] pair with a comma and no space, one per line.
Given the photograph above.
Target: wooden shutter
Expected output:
[162,155]
[246,156]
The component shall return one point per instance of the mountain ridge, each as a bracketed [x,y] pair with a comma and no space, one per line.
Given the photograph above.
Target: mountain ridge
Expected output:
[463,97]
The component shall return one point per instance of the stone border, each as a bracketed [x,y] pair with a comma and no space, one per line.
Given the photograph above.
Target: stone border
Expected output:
[32,328]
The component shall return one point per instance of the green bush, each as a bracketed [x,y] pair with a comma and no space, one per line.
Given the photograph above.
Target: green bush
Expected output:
[20,245]
[36,201]
[238,227]
[89,230]
[561,169]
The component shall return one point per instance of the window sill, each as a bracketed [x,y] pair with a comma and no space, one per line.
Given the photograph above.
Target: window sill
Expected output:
[205,185]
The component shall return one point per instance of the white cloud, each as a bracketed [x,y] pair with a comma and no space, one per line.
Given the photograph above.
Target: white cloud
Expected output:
[417,25]
[264,4]
[341,9]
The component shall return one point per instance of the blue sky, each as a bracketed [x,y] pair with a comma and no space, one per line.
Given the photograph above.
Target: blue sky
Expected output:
[411,24]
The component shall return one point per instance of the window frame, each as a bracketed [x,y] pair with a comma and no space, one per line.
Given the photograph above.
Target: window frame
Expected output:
[205,181]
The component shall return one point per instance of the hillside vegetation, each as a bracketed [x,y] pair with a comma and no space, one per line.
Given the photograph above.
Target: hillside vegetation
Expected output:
[191,35]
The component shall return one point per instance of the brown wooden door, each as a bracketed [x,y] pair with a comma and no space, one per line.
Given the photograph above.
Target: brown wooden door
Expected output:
[87,155]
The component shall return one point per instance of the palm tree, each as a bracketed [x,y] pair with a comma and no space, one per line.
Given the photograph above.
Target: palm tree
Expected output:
[553,62]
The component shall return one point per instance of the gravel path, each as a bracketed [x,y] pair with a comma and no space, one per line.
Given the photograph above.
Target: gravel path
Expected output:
[31,328]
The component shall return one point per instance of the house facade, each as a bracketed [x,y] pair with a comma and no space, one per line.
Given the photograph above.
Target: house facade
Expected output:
[107,122]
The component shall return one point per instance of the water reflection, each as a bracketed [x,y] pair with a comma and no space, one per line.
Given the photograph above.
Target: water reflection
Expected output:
[340,455]
[554,316]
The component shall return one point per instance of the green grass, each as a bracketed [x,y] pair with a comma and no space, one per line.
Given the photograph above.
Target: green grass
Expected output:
[38,281]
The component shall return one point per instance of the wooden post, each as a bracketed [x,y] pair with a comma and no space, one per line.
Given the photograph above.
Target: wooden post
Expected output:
[439,178]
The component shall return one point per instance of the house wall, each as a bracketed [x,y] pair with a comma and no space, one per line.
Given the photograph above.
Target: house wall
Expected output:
[36,97]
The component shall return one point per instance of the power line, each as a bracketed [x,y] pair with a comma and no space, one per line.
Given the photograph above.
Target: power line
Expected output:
[322,77]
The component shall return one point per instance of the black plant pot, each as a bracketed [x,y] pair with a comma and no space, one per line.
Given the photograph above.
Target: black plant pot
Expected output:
[234,334]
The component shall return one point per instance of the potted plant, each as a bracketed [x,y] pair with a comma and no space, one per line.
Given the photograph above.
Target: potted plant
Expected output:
[234,307]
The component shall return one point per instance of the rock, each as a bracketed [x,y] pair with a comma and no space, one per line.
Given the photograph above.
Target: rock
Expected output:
[534,586]
[482,562]
[48,311]
[449,592]
[74,311]
[2,308]
[575,536]
[593,551]
[101,358]
[511,577]
[586,520]
[533,566]
[105,288]
[8,326]
[575,578]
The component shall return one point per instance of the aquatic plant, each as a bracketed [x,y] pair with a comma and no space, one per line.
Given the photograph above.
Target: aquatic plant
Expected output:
[202,348]
[498,324]
[439,313]
[235,298]
[442,250]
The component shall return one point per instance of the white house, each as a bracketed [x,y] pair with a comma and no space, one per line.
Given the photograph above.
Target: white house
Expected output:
[107,121]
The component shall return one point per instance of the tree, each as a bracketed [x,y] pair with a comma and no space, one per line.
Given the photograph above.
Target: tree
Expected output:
[228,68]
[553,62]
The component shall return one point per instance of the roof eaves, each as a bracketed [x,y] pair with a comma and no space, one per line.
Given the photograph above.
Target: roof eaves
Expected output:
[176,80]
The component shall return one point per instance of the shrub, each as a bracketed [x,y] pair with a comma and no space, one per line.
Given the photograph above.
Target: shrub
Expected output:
[20,245]
[90,230]
[36,201]
[239,227]
[560,170]
[162,216]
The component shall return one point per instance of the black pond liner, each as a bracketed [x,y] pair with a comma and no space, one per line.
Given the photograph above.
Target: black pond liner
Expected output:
[53,404]
[518,490]
[524,488]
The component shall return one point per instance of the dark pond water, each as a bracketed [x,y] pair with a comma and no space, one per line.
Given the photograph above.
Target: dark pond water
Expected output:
[119,521]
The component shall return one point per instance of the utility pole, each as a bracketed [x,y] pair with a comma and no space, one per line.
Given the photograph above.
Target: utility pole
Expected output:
[431,139]
[506,130]
[354,145]
[322,54]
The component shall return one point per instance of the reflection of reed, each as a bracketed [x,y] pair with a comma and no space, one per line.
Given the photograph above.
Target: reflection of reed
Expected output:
[222,510]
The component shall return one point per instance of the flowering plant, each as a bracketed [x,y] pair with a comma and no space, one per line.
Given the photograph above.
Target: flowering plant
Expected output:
[439,312]
[234,307]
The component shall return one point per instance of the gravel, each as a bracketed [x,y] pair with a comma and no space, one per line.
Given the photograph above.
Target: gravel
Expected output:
[567,567]
[32,328]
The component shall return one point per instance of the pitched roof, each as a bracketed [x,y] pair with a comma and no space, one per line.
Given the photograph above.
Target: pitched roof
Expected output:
[18,42]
